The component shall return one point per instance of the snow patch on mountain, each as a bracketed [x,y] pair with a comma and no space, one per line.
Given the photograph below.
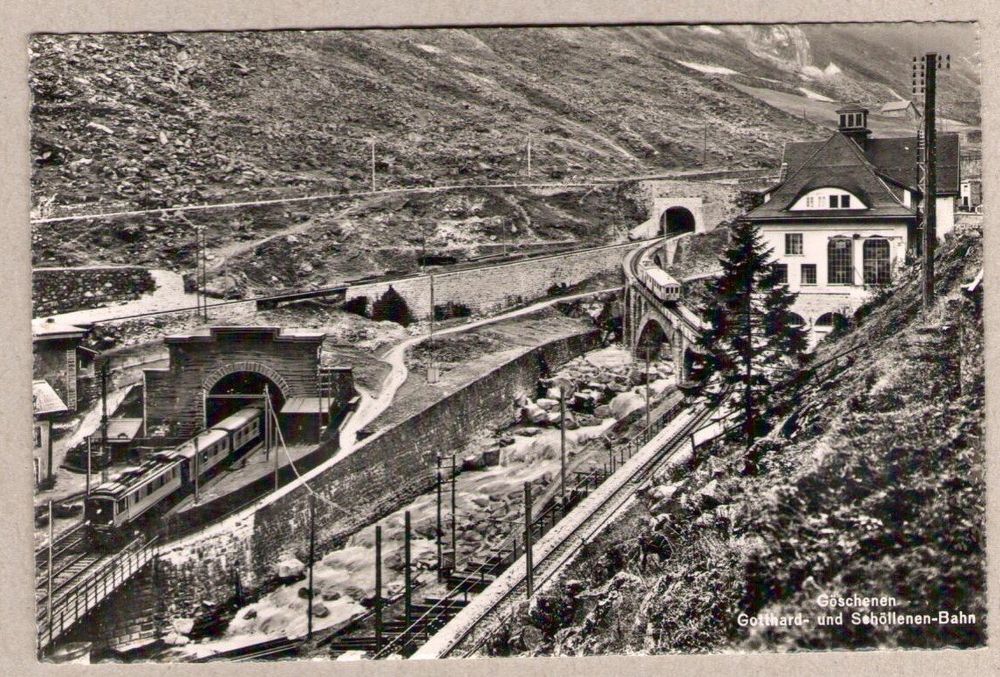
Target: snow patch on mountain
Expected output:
[707,68]
[815,96]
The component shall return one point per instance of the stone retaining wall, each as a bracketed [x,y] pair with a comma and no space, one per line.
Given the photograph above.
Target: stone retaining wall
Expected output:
[490,289]
[62,290]
[388,470]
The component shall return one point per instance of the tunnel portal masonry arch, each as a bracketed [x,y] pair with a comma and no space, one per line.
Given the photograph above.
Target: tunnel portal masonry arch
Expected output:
[694,205]
[199,361]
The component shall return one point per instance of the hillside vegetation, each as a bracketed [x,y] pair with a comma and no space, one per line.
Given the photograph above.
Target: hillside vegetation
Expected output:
[873,486]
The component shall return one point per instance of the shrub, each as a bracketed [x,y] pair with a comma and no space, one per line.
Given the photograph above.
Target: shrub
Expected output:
[391,306]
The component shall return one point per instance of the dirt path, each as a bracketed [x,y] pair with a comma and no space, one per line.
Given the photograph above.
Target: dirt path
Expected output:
[371,407]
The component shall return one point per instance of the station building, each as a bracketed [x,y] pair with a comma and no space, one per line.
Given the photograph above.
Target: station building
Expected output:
[844,216]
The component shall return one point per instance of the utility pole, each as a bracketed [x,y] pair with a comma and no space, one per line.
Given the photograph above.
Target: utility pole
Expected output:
[267,427]
[529,156]
[927,82]
[48,596]
[378,588]
[647,392]
[373,165]
[105,460]
[197,468]
[438,534]
[562,444]
[269,412]
[528,563]
[197,270]
[454,517]
[319,405]
[201,270]
[312,556]
[407,579]
[704,144]
[88,466]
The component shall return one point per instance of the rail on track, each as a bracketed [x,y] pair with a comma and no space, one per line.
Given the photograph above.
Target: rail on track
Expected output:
[470,630]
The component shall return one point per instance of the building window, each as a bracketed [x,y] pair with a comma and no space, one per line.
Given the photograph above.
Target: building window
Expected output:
[840,263]
[782,271]
[793,244]
[877,265]
[808,273]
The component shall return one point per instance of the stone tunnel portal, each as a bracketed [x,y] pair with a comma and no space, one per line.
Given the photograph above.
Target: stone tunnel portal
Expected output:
[238,390]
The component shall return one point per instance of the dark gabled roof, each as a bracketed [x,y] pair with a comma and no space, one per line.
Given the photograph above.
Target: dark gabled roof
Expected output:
[898,159]
[837,162]
[895,158]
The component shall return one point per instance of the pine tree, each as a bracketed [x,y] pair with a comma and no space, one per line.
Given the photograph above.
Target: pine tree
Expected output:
[750,344]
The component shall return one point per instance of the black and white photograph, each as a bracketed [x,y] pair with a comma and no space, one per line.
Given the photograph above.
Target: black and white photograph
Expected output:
[506,341]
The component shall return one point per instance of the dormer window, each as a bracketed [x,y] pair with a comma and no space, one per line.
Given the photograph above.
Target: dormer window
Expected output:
[853,118]
[828,198]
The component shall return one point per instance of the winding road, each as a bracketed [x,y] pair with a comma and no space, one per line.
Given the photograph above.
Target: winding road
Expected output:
[371,407]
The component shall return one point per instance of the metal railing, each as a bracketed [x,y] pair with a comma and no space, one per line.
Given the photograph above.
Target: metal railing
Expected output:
[85,595]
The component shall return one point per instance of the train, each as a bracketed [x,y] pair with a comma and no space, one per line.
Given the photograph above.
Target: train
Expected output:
[115,506]
[654,278]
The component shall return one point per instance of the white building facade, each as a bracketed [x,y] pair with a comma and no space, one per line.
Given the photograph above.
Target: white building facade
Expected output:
[840,225]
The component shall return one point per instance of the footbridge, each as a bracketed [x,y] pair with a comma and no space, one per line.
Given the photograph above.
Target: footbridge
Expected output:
[655,317]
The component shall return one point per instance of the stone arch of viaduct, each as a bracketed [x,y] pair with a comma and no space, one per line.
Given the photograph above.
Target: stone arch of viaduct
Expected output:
[649,322]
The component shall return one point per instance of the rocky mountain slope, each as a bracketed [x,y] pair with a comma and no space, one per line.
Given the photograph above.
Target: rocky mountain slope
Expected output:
[150,120]
[873,486]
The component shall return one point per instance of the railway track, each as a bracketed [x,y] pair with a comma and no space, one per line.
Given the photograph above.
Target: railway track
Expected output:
[72,557]
[572,537]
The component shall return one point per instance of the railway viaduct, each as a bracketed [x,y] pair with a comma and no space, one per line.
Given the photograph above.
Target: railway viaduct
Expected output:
[651,324]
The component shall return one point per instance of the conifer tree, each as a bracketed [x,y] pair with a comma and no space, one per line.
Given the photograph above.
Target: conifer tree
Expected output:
[750,344]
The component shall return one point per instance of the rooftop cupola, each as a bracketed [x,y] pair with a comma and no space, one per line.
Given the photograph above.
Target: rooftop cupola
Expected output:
[854,123]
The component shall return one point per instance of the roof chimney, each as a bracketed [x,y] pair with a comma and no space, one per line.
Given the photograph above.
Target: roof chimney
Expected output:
[854,123]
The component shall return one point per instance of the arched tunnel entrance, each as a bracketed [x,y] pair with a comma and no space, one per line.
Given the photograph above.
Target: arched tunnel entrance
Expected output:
[238,390]
[676,220]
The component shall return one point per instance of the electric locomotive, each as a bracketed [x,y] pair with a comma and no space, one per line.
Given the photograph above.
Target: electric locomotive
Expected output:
[113,508]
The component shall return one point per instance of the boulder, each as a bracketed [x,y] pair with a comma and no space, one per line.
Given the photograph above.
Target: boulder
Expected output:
[183,626]
[473,462]
[603,411]
[320,610]
[624,404]
[330,595]
[546,403]
[535,414]
[291,569]
[529,432]
[173,639]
